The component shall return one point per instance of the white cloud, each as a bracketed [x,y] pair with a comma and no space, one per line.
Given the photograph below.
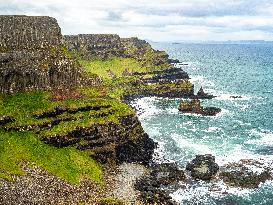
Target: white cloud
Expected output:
[156,19]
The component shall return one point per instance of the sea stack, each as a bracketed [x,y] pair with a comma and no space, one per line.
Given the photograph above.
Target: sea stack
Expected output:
[194,106]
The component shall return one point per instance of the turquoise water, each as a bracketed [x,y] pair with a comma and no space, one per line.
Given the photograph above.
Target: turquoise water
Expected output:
[243,130]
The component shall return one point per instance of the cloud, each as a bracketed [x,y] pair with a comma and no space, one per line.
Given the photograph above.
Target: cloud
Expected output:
[156,19]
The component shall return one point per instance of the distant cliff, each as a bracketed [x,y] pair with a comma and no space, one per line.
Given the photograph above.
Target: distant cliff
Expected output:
[32,55]
[107,46]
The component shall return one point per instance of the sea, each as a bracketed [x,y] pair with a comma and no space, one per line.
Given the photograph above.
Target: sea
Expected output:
[243,130]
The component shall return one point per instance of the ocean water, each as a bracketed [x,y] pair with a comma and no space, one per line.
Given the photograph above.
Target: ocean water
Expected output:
[243,130]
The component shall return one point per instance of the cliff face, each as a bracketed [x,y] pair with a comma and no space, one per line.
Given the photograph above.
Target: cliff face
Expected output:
[107,46]
[32,55]
[144,53]
[95,46]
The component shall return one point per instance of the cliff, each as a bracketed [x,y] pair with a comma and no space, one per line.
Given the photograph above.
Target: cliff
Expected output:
[95,46]
[107,46]
[32,55]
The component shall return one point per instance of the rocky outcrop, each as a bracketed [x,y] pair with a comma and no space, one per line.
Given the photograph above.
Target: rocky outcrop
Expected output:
[95,46]
[194,106]
[203,167]
[143,52]
[161,175]
[32,55]
[107,46]
[202,95]
[111,142]
[245,174]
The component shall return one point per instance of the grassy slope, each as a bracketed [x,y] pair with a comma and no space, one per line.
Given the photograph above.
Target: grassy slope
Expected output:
[25,146]
[116,65]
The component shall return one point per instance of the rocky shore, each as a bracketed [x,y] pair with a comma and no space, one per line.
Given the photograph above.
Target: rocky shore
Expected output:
[89,117]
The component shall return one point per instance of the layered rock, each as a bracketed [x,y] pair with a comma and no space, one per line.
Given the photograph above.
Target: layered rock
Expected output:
[32,55]
[107,46]
[95,46]
[124,141]
[194,106]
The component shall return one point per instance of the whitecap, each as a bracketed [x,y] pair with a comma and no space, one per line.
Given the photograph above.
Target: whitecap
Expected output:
[265,137]
[188,143]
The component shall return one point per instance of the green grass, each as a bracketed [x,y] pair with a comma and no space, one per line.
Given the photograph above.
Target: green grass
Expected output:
[68,163]
[116,65]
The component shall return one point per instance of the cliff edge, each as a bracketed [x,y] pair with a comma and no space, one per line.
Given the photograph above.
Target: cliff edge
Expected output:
[32,55]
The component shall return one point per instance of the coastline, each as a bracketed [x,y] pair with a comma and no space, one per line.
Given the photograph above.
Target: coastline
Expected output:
[94,123]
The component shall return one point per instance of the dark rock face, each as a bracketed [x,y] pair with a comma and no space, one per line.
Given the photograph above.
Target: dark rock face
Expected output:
[241,175]
[203,167]
[161,175]
[129,152]
[194,106]
[111,142]
[169,75]
[211,111]
[32,56]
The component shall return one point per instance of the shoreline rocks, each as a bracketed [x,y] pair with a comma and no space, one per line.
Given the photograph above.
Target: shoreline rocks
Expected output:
[242,174]
[194,106]
[151,186]
[203,167]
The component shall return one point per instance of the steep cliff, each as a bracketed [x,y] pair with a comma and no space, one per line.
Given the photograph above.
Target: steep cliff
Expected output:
[32,55]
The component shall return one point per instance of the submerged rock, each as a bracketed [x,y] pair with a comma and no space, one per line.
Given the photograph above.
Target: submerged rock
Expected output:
[203,167]
[236,96]
[194,106]
[245,174]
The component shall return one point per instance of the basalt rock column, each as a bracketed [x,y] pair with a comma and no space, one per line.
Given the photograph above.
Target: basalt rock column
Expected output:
[32,55]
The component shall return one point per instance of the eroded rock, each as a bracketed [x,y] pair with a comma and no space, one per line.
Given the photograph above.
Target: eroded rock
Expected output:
[245,174]
[194,106]
[203,167]
[202,95]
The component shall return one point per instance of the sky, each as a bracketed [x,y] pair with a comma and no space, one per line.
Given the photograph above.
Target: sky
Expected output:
[157,20]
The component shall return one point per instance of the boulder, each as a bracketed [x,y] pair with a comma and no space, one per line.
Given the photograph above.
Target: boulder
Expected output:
[242,174]
[203,167]
[211,111]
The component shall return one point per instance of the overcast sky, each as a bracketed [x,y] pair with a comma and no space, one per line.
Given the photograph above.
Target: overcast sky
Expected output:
[158,20]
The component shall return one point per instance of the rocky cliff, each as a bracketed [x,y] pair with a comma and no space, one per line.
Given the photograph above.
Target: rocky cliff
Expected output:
[107,46]
[32,55]
[95,46]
